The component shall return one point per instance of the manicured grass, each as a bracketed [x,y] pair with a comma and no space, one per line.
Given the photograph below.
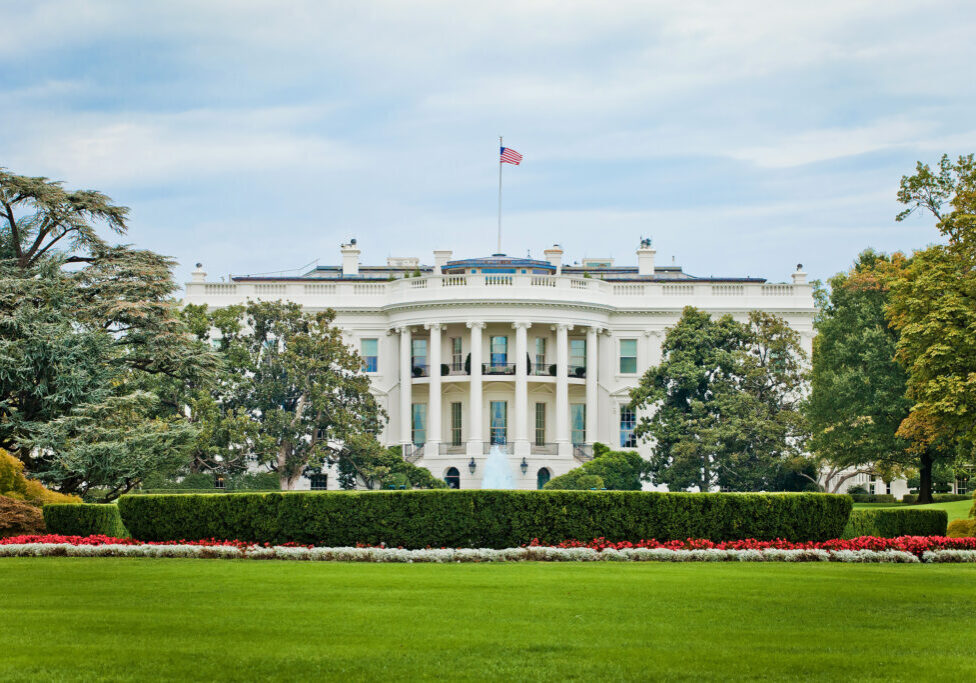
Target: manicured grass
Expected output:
[81,618]
[957,509]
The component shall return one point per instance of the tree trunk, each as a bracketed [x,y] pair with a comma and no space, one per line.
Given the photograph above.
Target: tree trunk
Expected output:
[286,480]
[925,479]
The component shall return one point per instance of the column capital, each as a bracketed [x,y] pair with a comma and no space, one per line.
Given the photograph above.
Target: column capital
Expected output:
[521,325]
[562,326]
[399,329]
[475,324]
[433,326]
[598,329]
[652,333]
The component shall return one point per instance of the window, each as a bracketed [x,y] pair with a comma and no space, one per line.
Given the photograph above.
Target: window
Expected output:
[320,482]
[542,478]
[456,424]
[418,432]
[418,354]
[453,478]
[540,424]
[498,415]
[577,357]
[369,351]
[457,354]
[219,481]
[577,417]
[628,356]
[499,351]
[627,423]
[540,352]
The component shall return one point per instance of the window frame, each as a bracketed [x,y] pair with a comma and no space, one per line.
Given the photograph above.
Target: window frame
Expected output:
[621,357]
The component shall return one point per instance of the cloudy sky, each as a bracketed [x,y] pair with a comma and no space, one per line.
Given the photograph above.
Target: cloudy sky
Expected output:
[742,137]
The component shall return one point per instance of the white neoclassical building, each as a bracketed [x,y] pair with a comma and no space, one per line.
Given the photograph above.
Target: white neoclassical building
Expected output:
[535,356]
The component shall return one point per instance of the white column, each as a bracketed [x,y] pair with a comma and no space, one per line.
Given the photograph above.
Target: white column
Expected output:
[563,438]
[434,402]
[406,386]
[475,439]
[591,386]
[521,389]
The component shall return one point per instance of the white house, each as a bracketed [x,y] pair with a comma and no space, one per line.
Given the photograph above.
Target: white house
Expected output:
[534,355]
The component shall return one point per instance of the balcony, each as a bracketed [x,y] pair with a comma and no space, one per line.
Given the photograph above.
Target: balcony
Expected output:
[578,371]
[544,449]
[507,448]
[542,369]
[413,452]
[452,449]
[420,370]
[498,368]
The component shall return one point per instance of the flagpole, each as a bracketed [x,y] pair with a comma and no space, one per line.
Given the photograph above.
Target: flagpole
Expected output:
[500,145]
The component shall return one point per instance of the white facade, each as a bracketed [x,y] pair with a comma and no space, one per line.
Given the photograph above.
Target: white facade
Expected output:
[534,355]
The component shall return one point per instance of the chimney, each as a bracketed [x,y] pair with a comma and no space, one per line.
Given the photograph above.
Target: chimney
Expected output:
[645,258]
[554,255]
[799,277]
[350,259]
[441,257]
[199,275]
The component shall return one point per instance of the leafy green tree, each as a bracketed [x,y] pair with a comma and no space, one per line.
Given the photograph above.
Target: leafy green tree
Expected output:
[82,342]
[363,462]
[933,307]
[857,399]
[722,409]
[299,384]
[613,470]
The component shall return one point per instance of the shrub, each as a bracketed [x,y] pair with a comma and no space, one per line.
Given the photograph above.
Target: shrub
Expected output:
[872,498]
[961,528]
[857,490]
[84,520]
[616,470]
[912,498]
[18,517]
[13,484]
[896,522]
[489,519]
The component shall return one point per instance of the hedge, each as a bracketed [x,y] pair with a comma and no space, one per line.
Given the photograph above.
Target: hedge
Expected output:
[482,519]
[889,523]
[912,498]
[872,497]
[84,520]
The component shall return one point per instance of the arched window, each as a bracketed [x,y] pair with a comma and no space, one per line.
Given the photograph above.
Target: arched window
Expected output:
[453,478]
[542,477]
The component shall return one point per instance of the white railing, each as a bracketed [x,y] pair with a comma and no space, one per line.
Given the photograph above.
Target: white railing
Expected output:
[496,280]
[319,289]
[677,290]
[454,281]
[777,290]
[728,290]
[628,290]
[219,289]
[579,284]
[368,288]
[271,289]
[418,283]
[542,281]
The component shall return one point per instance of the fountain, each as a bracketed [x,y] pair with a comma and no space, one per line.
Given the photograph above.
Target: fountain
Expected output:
[498,470]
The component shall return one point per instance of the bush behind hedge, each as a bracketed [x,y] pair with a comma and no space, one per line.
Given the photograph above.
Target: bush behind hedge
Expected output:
[912,498]
[872,498]
[482,519]
[890,523]
[84,520]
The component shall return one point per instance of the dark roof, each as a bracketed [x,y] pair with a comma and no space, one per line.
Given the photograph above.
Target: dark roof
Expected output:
[500,261]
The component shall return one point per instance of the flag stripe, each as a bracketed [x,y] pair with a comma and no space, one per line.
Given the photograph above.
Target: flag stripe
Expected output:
[510,156]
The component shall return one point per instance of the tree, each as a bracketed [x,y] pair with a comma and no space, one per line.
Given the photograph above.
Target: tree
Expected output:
[722,408]
[39,214]
[362,461]
[75,343]
[857,399]
[301,386]
[933,307]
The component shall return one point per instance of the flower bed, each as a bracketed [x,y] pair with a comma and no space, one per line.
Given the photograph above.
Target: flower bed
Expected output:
[905,549]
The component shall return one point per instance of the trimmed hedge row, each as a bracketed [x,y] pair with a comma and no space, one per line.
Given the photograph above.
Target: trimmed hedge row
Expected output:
[889,523]
[84,520]
[912,498]
[482,519]
[872,497]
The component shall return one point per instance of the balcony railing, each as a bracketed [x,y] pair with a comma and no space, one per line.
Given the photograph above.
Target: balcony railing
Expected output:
[420,370]
[498,368]
[507,448]
[544,449]
[578,371]
[452,449]
[413,452]
[583,452]
[543,370]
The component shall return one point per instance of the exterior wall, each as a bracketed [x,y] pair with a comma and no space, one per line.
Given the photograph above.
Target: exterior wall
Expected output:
[488,305]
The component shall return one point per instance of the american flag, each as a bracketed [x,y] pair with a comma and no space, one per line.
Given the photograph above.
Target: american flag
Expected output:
[510,156]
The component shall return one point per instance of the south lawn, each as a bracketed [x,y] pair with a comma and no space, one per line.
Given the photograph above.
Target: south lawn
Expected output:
[90,618]
[957,509]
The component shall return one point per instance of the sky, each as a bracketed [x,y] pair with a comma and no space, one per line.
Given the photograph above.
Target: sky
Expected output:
[741,137]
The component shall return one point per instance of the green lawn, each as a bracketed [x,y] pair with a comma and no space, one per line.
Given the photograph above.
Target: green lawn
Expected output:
[90,618]
[958,509]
